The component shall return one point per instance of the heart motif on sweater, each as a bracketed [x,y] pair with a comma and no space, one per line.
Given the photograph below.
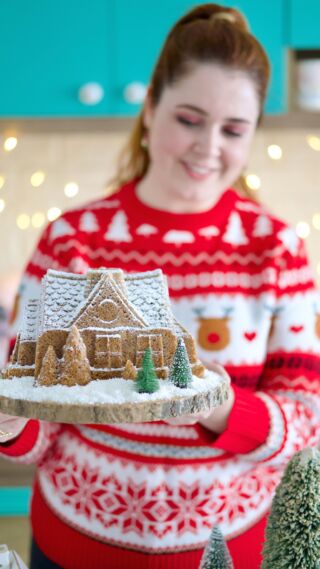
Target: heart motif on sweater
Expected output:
[250,336]
[296,329]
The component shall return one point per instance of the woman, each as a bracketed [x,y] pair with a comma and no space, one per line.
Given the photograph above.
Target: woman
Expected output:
[147,495]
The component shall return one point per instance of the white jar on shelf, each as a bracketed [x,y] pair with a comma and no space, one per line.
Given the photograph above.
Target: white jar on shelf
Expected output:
[308,84]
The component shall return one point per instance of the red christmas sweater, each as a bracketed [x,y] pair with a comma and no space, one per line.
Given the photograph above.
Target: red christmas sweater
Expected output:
[240,282]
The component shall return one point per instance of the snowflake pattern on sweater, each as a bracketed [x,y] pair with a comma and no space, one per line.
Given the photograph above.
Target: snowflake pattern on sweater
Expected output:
[240,282]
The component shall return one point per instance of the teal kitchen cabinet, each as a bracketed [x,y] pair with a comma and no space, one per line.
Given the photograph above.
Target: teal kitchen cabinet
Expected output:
[304,24]
[266,20]
[48,51]
[141,27]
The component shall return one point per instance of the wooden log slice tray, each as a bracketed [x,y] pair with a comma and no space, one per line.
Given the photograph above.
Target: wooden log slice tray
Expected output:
[209,392]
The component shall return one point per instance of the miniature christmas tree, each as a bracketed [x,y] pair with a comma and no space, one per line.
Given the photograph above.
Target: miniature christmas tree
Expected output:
[75,368]
[293,530]
[180,371]
[49,369]
[129,371]
[147,381]
[216,554]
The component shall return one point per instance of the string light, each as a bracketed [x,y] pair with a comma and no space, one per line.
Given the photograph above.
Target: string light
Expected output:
[275,151]
[2,205]
[10,143]
[303,229]
[71,189]
[38,219]
[53,213]
[314,142]
[23,221]
[253,181]
[37,179]
[2,181]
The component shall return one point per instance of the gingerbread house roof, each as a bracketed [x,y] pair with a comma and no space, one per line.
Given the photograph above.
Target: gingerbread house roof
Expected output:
[65,295]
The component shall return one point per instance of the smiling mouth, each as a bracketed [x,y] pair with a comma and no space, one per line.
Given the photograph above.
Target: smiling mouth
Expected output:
[198,172]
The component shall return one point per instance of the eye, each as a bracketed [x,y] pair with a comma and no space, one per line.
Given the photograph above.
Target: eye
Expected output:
[232,133]
[187,121]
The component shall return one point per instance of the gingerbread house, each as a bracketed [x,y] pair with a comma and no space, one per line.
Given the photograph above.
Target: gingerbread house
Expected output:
[116,316]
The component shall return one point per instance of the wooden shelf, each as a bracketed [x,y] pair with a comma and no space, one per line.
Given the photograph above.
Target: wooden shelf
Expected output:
[293,119]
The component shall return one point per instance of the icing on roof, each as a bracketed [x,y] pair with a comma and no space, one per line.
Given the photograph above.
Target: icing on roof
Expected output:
[61,295]
[65,295]
[149,293]
[29,328]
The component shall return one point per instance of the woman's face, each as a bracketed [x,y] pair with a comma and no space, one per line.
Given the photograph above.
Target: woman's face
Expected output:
[199,136]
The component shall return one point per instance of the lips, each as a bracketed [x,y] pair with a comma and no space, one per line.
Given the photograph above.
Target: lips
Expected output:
[197,172]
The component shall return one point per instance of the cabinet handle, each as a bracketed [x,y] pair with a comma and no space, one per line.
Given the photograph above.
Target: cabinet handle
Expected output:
[135,93]
[91,93]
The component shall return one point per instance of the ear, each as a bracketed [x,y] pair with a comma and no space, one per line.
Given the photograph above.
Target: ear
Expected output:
[148,110]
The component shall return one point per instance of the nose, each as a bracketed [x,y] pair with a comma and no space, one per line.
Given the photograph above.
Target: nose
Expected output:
[209,142]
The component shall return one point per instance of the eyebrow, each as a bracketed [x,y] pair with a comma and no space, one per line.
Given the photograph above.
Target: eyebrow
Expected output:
[204,113]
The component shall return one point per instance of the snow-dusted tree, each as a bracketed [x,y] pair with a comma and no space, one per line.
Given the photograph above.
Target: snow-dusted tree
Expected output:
[75,367]
[49,369]
[147,381]
[293,529]
[129,371]
[180,371]
[216,554]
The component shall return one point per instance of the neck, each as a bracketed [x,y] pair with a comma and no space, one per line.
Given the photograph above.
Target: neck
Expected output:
[154,194]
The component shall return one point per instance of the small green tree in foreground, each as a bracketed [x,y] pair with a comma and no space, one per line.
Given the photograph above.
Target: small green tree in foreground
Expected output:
[216,554]
[293,530]
[180,371]
[147,381]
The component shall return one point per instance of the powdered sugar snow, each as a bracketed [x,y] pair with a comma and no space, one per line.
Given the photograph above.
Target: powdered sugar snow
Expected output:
[109,391]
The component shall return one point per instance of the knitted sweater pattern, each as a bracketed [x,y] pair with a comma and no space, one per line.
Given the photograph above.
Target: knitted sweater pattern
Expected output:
[240,282]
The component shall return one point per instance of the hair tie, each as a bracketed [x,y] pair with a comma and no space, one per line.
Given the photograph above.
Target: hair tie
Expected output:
[224,16]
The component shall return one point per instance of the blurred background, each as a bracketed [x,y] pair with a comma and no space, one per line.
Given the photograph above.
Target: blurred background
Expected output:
[74,75]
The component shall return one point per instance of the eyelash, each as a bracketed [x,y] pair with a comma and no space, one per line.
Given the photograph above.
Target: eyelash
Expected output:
[190,124]
[232,133]
[187,122]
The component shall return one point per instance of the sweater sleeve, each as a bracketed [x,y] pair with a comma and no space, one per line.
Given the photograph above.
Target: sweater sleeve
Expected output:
[32,444]
[283,415]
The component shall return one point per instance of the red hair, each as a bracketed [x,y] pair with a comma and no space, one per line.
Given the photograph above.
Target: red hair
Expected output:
[207,34]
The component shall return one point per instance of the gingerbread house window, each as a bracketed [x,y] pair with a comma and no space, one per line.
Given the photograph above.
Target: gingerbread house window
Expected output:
[108,353]
[153,341]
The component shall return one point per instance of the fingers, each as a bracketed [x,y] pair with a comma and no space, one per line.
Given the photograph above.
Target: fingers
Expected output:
[188,419]
[10,427]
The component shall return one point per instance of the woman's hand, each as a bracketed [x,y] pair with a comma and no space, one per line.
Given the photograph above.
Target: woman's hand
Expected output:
[215,420]
[11,427]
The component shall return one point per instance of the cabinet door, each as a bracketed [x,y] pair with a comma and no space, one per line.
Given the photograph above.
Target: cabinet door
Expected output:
[304,31]
[48,50]
[141,27]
